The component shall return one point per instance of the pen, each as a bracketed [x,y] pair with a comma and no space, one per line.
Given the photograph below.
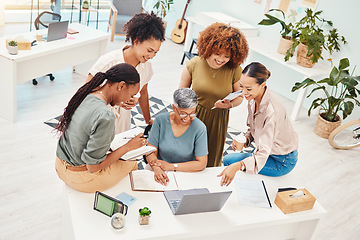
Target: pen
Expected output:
[144,136]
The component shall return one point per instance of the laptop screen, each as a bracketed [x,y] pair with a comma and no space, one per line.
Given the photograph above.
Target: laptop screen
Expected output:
[57,30]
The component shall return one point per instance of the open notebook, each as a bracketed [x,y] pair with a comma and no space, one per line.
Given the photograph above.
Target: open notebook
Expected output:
[122,138]
[143,180]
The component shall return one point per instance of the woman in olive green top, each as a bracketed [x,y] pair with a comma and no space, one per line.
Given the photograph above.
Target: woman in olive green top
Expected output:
[213,75]
[87,129]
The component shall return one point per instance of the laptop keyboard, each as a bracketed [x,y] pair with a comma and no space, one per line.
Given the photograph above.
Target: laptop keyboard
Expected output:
[175,203]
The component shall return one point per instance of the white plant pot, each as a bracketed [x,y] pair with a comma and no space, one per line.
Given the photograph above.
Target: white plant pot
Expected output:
[13,50]
[284,45]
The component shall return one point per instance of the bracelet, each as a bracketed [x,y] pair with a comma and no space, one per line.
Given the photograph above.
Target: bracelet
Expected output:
[149,154]
[148,121]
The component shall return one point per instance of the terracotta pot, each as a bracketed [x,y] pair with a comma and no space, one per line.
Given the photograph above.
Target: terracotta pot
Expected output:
[284,44]
[323,128]
[144,220]
[301,57]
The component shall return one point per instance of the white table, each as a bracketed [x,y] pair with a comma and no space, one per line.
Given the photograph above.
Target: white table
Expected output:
[78,50]
[269,50]
[231,222]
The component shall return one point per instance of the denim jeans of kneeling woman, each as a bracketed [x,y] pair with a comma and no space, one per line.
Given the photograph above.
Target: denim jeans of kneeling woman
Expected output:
[275,166]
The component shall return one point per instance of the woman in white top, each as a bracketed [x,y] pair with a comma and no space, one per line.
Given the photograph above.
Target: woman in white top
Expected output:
[146,32]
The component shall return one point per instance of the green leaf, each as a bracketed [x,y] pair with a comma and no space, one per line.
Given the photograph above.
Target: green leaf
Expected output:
[316,103]
[344,63]
[278,10]
[347,109]
[315,89]
[325,80]
[305,83]
[333,74]
[267,22]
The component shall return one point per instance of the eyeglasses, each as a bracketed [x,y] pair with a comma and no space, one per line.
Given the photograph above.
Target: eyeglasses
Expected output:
[184,115]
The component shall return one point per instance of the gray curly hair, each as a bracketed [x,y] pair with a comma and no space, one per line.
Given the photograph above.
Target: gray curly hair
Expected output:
[185,98]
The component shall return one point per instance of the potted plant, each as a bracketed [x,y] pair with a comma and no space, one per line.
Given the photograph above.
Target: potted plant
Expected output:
[162,7]
[311,39]
[13,47]
[339,94]
[144,215]
[286,30]
[85,5]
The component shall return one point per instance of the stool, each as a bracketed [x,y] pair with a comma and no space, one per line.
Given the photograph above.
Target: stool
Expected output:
[189,54]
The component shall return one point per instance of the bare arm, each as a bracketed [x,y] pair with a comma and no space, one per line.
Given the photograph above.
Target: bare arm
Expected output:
[144,104]
[114,156]
[159,174]
[234,103]
[186,79]
[196,165]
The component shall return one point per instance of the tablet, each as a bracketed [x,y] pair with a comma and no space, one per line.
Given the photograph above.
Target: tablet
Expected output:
[108,205]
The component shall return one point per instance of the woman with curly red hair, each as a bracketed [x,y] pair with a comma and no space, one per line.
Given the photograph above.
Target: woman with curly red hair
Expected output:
[213,75]
[146,32]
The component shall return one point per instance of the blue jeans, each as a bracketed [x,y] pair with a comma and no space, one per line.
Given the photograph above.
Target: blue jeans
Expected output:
[275,166]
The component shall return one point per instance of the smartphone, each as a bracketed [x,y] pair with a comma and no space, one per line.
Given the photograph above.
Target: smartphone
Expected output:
[108,205]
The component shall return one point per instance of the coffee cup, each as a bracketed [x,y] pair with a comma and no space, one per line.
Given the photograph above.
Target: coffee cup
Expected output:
[239,142]
[39,37]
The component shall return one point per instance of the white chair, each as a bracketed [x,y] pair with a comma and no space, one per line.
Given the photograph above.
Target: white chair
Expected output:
[122,11]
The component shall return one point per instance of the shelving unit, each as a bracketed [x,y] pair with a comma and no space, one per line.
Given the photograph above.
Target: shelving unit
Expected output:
[86,11]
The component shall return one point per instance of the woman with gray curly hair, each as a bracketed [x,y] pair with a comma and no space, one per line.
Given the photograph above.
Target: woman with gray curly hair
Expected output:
[179,137]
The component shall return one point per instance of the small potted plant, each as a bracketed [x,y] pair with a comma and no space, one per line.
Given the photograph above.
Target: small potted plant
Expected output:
[311,39]
[85,5]
[13,47]
[339,95]
[144,215]
[162,7]
[286,29]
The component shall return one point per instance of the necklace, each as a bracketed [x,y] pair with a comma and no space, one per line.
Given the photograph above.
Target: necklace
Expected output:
[214,73]
[103,96]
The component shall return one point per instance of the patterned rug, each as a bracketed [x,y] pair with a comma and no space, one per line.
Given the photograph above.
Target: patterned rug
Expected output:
[158,106]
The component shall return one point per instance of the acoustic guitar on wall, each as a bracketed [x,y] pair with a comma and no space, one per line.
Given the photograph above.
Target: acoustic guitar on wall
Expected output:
[179,33]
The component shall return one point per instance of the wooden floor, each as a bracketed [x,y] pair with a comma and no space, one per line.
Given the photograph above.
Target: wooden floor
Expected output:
[31,193]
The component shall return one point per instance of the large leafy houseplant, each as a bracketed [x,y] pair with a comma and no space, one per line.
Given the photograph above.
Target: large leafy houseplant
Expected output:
[309,31]
[285,32]
[339,92]
[163,7]
[286,28]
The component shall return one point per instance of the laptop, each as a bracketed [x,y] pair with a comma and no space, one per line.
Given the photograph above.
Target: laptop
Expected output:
[56,30]
[195,200]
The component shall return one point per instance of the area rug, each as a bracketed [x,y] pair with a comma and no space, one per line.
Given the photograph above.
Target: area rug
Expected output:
[158,106]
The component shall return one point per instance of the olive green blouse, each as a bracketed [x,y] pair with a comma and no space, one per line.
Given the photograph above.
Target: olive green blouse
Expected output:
[89,134]
[208,88]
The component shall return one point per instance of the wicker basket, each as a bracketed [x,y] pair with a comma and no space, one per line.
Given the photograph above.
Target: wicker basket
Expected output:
[301,57]
[323,128]
[284,45]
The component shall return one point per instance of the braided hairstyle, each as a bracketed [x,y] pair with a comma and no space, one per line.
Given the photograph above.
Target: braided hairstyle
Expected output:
[144,26]
[222,36]
[120,72]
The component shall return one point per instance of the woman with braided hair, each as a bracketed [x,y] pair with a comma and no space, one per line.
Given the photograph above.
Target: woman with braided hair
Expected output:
[213,75]
[146,32]
[87,130]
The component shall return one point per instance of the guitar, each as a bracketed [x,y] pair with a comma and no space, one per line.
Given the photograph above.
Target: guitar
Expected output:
[179,33]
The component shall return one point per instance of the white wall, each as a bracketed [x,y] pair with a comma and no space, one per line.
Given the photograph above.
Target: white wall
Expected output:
[2,14]
[344,15]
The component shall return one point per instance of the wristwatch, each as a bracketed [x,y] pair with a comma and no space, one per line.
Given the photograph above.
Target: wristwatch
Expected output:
[175,167]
